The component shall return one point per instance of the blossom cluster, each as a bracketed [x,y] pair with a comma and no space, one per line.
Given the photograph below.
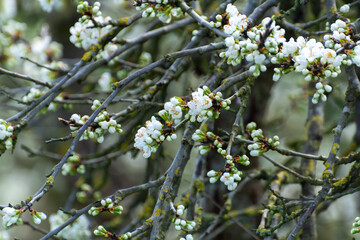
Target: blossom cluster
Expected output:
[73,166]
[172,110]
[6,133]
[77,230]
[86,193]
[315,60]
[103,122]
[356,226]
[148,138]
[11,216]
[161,9]
[340,39]
[40,49]
[229,178]
[203,105]
[86,31]
[232,22]
[101,231]
[262,42]
[106,205]
[261,144]
[183,224]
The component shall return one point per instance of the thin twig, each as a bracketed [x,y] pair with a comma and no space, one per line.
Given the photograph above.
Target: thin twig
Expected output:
[25,77]
[46,67]
[306,179]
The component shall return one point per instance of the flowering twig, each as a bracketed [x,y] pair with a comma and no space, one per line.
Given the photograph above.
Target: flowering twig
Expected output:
[200,20]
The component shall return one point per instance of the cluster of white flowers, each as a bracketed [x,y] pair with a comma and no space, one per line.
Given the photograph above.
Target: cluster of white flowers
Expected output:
[233,23]
[172,110]
[229,178]
[148,138]
[341,38]
[356,226]
[315,60]
[310,58]
[40,49]
[183,224]
[6,132]
[105,53]
[77,230]
[262,42]
[103,122]
[106,205]
[161,9]
[73,166]
[261,144]
[10,216]
[84,33]
[101,231]
[203,105]
[37,216]
[10,49]
[340,35]
[199,106]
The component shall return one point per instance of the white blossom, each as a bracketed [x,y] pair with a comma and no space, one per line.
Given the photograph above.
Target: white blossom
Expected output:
[10,216]
[84,34]
[174,109]
[199,105]
[162,10]
[147,138]
[78,230]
